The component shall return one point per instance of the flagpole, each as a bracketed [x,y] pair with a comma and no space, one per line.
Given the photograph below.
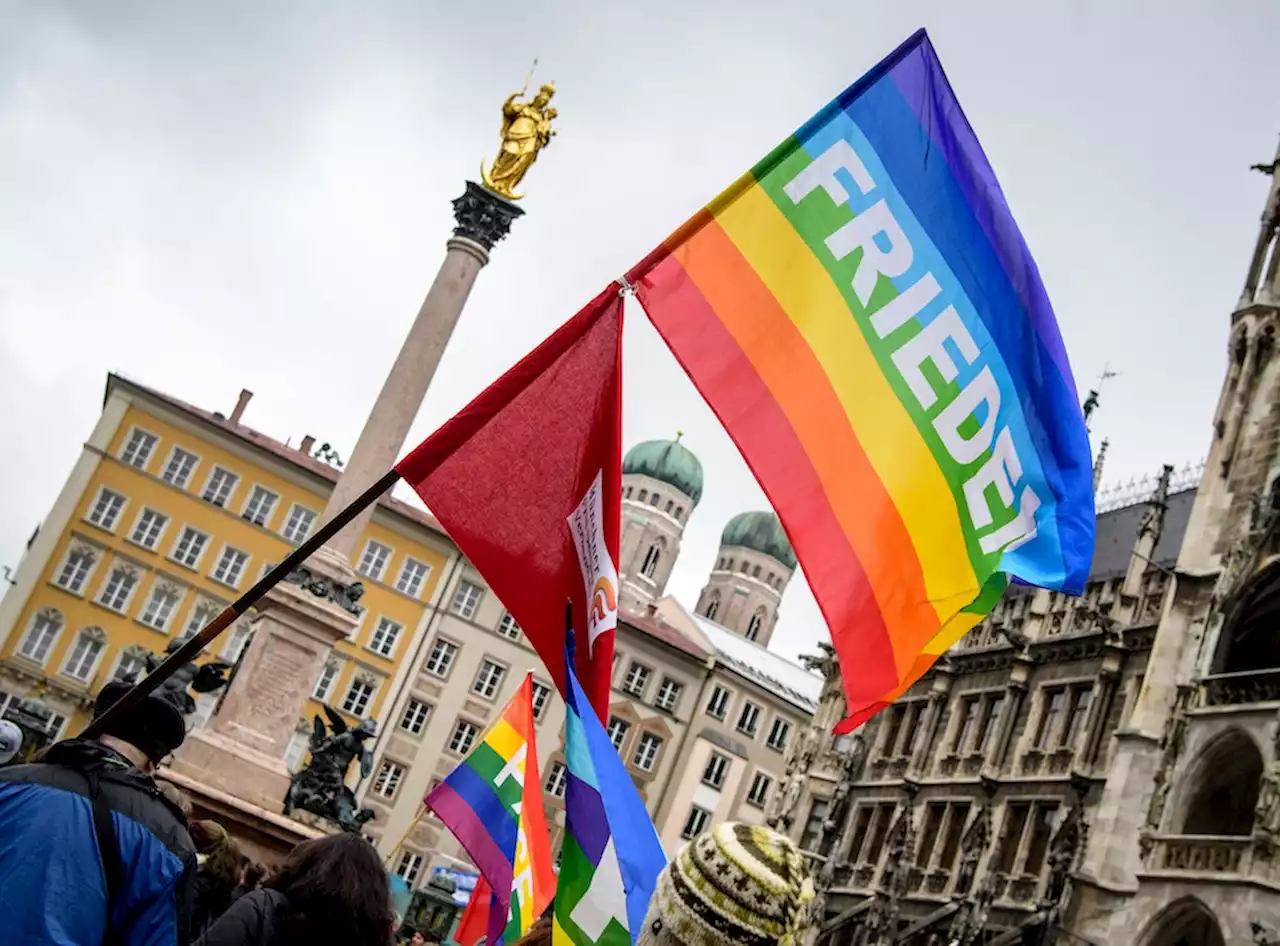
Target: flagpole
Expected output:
[195,644]
[422,810]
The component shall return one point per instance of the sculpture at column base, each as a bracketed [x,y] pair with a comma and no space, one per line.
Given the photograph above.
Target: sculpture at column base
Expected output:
[482,216]
[320,787]
[344,595]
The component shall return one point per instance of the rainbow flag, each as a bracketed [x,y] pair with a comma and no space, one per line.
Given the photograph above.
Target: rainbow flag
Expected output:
[610,857]
[861,312]
[492,802]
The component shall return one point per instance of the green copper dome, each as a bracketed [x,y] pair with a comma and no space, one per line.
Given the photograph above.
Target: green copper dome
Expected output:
[760,532]
[668,462]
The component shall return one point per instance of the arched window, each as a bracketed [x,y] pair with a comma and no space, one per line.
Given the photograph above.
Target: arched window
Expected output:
[85,653]
[730,565]
[771,579]
[1249,642]
[644,494]
[651,560]
[44,630]
[720,564]
[743,566]
[755,572]
[713,607]
[1224,784]
[679,512]
[756,624]
[1185,922]
[629,492]
[653,500]
[670,506]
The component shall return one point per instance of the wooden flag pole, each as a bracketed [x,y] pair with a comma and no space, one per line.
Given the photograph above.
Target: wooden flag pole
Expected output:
[195,644]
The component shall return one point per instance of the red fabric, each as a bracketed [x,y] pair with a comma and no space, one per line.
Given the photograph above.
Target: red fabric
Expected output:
[475,918]
[504,475]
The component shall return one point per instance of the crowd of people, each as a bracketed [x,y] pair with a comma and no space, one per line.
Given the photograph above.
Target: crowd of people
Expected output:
[96,851]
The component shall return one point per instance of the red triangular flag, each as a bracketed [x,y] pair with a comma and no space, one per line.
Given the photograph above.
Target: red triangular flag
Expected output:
[474,921]
[526,479]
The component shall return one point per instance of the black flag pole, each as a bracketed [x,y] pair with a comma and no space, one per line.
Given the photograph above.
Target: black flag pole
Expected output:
[196,643]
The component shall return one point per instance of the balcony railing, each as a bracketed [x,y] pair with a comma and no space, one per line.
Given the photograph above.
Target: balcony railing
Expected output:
[1202,854]
[1240,689]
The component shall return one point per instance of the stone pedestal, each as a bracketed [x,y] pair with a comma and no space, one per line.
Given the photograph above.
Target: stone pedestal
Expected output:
[242,752]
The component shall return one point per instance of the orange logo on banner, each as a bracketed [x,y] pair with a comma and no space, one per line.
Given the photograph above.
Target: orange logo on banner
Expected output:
[603,600]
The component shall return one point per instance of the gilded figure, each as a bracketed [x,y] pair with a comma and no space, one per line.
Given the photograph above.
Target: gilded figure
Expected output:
[526,130]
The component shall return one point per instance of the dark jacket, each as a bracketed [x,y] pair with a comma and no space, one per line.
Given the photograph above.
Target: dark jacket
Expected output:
[251,921]
[212,897]
[53,876]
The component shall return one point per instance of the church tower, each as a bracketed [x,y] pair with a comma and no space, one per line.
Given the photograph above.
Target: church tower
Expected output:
[753,567]
[661,485]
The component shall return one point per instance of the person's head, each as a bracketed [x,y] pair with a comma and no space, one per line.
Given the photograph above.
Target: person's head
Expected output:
[337,892]
[10,741]
[417,939]
[219,854]
[252,874]
[539,934]
[754,880]
[145,734]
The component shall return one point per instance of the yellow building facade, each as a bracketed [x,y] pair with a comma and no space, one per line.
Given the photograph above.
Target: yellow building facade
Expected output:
[170,513]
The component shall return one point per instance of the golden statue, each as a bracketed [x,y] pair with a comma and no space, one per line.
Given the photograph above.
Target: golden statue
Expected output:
[526,130]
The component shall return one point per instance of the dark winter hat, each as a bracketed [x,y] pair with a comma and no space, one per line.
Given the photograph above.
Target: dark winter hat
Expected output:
[155,725]
[732,885]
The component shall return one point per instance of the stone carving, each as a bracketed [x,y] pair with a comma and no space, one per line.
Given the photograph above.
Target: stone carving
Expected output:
[483,217]
[208,678]
[895,878]
[344,596]
[1266,819]
[972,847]
[1064,847]
[782,812]
[320,787]
[1171,744]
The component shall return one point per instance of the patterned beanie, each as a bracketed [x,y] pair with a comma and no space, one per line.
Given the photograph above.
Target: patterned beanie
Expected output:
[733,884]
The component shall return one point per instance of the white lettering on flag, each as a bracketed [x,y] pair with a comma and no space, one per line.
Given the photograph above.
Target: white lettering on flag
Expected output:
[605,898]
[599,573]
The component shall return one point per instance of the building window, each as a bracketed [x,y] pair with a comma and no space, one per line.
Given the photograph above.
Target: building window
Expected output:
[148,529]
[508,627]
[557,779]
[968,719]
[695,823]
[328,677]
[137,451]
[749,719]
[637,680]
[679,513]
[755,624]
[1044,816]
[716,770]
[653,500]
[190,547]
[758,794]
[129,667]
[644,495]
[385,636]
[160,606]
[201,615]
[409,867]
[778,735]
[541,699]
[651,561]
[713,607]
[118,589]
[358,698]
[387,780]
[260,505]
[464,736]
[237,641]
[85,653]
[1077,712]
[489,680]
[647,751]
[813,826]
[296,749]
[298,526]
[889,747]
[230,566]
[743,567]
[465,599]
[1053,700]
[44,630]
[957,816]
[990,717]
[374,560]
[76,569]
[441,658]
[718,704]
[221,483]
[178,470]
[668,695]
[413,576]
[617,730]
[415,716]
[106,511]
[1015,822]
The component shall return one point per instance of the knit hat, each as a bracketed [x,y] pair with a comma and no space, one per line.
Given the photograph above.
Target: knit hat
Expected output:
[10,741]
[155,725]
[734,884]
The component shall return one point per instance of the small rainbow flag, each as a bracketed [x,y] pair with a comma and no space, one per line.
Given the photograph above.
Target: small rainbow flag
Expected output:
[492,802]
[861,312]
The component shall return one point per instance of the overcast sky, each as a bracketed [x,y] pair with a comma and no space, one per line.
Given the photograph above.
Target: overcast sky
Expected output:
[207,197]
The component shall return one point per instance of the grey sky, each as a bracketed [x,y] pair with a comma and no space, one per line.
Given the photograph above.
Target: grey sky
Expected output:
[215,196]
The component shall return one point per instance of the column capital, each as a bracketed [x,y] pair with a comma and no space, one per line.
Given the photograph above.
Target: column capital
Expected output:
[483,217]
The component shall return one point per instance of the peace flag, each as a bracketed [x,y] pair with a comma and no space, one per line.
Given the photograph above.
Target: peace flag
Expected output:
[492,802]
[861,312]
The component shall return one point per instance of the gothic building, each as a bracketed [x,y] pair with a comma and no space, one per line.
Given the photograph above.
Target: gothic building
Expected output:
[1098,770]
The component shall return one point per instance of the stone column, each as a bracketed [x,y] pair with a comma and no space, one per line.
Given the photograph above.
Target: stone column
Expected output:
[1015,691]
[933,716]
[482,220]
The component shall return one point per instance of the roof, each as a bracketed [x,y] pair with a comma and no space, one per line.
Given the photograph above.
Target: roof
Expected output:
[761,532]
[667,461]
[773,672]
[1117,530]
[659,630]
[274,447]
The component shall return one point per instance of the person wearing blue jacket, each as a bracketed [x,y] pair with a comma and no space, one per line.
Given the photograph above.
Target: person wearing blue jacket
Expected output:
[91,852]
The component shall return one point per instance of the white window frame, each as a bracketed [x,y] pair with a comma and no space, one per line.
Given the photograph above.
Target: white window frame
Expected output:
[273,500]
[151,612]
[509,627]
[416,715]
[755,719]
[129,654]
[204,545]
[716,770]
[231,490]
[542,693]
[645,757]
[327,681]
[134,573]
[620,739]
[490,677]
[143,513]
[385,636]
[134,433]
[358,708]
[237,641]
[99,640]
[718,690]
[758,797]
[448,654]
[557,779]
[54,617]
[779,745]
[367,568]
[242,567]
[206,609]
[299,513]
[409,868]
[168,463]
[633,686]
[695,823]
[116,516]
[668,696]
[463,603]
[80,550]
[386,784]
[413,587]
[470,741]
